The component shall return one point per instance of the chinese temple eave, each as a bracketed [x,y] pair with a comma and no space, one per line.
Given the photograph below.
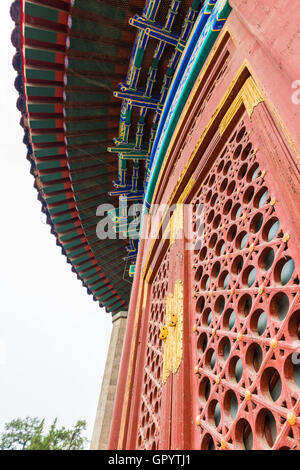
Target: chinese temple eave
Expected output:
[69,116]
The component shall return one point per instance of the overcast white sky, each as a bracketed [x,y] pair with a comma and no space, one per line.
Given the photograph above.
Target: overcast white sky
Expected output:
[53,336]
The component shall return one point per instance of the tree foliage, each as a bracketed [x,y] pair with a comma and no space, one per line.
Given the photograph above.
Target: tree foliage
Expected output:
[30,434]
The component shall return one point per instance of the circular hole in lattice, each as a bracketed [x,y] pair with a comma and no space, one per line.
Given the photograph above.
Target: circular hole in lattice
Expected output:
[220,166]
[204,390]
[226,168]
[217,221]
[148,433]
[256,223]
[210,359]
[208,196]
[259,322]
[248,195]
[210,216]
[235,369]
[202,343]
[231,233]
[224,348]
[203,253]
[207,317]
[271,229]
[231,188]
[156,407]
[249,276]
[266,428]
[242,171]
[236,212]
[237,265]
[246,151]
[233,137]
[230,404]
[237,152]
[241,134]
[158,373]
[271,384]
[214,200]
[205,282]
[243,434]
[280,305]
[224,280]
[214,413]
[220,304]
[229,319]
[216,269]
[253,173]
[200,208]
[198,273]
[200,304]
[208,443]
[294,326]
[254,357]
[153,445]
[212,180]
[292,371]
[284,270]
[152,430]
[220,248]
[227,207]
[261,197]
[200,228]
[223,185]
[266,259]
[241,240]
[213,240]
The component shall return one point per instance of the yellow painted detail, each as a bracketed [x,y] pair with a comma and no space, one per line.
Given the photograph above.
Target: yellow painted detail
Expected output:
[163,333]
[291,418]
[173,347]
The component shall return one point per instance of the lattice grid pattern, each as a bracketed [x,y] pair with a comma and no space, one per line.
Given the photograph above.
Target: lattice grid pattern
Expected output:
[149,421]
[247,312]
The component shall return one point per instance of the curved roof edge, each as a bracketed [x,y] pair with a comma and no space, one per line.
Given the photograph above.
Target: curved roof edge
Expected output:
[112,302]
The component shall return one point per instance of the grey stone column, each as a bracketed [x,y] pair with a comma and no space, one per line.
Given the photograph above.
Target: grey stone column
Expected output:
[109,384]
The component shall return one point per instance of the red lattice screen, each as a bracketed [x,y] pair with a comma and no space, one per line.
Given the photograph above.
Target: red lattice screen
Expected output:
[247,314]
[149,420]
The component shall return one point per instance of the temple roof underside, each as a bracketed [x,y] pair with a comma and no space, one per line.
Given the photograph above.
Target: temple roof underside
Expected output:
[93,79]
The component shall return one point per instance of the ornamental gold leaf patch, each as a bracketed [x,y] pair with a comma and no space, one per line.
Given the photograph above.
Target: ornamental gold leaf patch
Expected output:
[173,346]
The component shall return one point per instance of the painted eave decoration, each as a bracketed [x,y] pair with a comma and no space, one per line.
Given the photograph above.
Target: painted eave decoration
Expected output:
[97,81]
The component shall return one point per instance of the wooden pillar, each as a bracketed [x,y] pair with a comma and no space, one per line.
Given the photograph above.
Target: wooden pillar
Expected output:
[109,384]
